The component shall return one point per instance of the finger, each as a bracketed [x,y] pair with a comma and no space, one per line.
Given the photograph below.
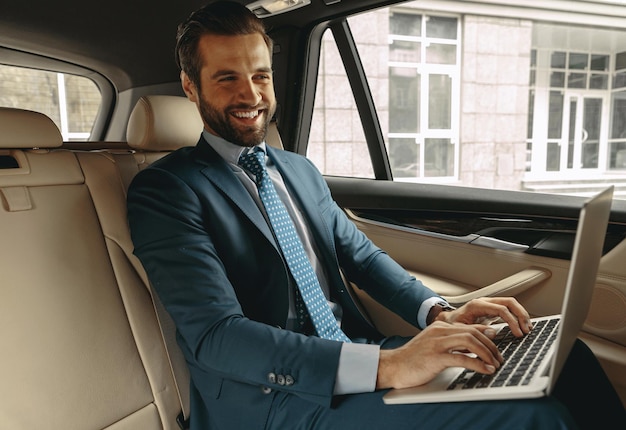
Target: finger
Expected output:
[520,313]
[473,342]
[512,313]
[490,333]
[471,363]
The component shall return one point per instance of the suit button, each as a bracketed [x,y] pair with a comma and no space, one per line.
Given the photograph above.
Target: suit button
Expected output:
[289,380]
[266,390]
[280,379]
[271,378]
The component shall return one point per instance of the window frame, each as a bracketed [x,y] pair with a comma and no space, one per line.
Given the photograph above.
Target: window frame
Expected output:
[14,58]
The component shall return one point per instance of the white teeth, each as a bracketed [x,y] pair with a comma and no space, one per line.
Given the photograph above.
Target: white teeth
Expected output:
[252,114]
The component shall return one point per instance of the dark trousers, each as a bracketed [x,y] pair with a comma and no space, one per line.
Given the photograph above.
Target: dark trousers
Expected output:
[590,403]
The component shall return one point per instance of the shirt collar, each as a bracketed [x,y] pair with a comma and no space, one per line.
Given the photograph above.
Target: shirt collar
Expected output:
[228,151]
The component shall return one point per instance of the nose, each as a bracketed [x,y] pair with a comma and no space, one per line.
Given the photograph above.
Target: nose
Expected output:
[249,93]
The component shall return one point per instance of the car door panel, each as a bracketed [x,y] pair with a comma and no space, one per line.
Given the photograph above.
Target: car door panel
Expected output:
[441,250]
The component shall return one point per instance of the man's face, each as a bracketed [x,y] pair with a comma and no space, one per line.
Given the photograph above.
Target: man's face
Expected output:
[236,100]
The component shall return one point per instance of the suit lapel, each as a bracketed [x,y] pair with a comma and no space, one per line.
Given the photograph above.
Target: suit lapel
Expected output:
[219,173]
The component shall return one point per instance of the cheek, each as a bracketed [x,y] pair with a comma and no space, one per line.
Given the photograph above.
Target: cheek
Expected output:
[269,95]
[216,97]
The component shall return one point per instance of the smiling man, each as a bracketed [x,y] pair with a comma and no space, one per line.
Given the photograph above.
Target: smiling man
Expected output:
[246,248]
[242,100]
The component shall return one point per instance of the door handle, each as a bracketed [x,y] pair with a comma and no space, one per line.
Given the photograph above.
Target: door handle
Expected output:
[509,286]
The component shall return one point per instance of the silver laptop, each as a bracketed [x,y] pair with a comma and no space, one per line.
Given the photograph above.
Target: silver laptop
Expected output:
[534,362]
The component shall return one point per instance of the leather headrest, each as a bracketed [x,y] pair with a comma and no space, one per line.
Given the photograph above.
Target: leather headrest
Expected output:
[163,123]
[21,128]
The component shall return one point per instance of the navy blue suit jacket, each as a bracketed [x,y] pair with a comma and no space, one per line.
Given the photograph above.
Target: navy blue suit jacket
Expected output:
[212,259]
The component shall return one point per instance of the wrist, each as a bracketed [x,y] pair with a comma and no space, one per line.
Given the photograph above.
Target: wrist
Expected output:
[435,313]
[384,376]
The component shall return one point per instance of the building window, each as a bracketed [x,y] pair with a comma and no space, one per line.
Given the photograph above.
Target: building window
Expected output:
[574,87]
[423,82]
[412,65]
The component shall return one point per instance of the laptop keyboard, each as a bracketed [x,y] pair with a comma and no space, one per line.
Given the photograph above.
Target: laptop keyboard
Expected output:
[522,357]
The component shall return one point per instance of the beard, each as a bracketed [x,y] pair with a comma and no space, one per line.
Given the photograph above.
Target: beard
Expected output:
[221,123]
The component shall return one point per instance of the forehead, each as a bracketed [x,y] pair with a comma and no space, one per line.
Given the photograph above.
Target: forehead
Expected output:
[233,52]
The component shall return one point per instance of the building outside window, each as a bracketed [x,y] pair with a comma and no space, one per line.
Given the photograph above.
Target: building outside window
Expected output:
[481,97]
[577,85]
[423,95]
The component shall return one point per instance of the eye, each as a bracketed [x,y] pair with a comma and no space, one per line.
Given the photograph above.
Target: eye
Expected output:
[226,78]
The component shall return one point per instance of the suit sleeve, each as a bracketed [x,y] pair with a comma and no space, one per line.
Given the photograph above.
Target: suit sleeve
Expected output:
[372,269]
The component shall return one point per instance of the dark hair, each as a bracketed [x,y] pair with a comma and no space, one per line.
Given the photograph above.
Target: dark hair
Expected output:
[224,18]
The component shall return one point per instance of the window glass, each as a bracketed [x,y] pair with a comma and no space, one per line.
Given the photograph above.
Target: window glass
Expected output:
[578,61]
[404,156]
[437,53]
[405,51]
[620,80]
[479,100]
[72,102]
[598,82]
[405,25]
[618,119]
[413,74]
[337,143]
[577,80]
[439,102]
[555,118]
[558,60]
[441,27]
[404,94]
[557,79]
[600,62]
[438,157]
[620,61]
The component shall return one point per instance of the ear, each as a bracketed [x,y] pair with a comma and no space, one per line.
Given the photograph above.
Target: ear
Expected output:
[189,88]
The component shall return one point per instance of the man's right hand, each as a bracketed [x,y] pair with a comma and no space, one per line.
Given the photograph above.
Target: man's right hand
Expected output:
[437,347]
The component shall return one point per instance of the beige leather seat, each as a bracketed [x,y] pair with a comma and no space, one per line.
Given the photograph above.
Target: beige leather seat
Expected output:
[80,340]
[159,124]
[82,345]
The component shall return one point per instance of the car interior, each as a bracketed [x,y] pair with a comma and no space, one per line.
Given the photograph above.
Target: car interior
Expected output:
[86,344]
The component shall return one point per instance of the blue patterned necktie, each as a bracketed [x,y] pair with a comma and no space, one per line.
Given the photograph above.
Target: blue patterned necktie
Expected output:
[319,311]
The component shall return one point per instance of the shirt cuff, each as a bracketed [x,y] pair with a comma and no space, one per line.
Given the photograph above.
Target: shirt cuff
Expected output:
[422,313]
[358,368]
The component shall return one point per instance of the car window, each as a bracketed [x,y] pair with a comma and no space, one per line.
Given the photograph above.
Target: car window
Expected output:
[412,65]
[337,142]
[479,99]
[71,101]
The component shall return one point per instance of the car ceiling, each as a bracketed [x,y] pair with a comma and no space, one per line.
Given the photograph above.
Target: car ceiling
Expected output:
[106,36]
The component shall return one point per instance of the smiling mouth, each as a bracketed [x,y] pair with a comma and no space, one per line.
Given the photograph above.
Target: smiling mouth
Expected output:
[247,114]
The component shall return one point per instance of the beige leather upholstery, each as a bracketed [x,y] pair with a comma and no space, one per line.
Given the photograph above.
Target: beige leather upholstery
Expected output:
[163,123]
[82,345]
[80,340]
[27,129]
[166,123]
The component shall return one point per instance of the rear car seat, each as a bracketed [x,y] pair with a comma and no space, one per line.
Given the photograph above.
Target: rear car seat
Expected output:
[160,124]
[81,342]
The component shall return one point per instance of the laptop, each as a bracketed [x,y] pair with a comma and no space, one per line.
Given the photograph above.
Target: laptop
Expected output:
[534,375]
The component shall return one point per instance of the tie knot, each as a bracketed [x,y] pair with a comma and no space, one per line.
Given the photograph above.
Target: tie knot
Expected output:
[254,162]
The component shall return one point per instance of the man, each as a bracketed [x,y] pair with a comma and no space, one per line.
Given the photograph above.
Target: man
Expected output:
[259,355]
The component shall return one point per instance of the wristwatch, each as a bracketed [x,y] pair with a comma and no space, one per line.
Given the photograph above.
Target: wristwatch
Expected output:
[436,310]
